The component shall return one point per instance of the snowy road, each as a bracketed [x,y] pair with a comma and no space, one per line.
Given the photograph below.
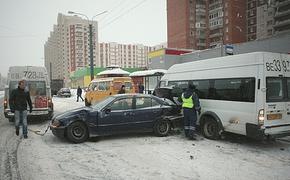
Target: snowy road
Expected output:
[137,156]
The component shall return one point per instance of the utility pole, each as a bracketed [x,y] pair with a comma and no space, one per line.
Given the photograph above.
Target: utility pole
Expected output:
[91,52]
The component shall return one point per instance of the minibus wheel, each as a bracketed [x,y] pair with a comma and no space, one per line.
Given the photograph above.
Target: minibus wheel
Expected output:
[210,128]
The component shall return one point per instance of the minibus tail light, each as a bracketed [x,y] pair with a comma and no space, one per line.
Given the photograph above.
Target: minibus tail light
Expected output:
[261,117]
[50,104]
[5,104]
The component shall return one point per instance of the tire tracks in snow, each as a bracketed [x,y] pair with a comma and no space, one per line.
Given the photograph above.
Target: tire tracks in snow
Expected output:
[8,150]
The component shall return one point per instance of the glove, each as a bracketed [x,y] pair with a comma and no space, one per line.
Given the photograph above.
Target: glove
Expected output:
[30,110]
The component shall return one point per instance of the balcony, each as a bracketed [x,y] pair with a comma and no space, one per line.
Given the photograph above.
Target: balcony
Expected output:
[279,24]
[280,4]
[215,35]
[283,13]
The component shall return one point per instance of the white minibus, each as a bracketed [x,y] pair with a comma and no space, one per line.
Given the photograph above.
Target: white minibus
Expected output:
[247,94]
[38,84]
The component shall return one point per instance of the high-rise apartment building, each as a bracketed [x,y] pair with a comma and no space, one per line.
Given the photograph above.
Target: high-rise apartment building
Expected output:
[67,48]
[200,24]
[186,24]
[266,18]
[124,55]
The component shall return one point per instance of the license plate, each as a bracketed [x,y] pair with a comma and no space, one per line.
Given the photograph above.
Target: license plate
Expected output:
[274,116]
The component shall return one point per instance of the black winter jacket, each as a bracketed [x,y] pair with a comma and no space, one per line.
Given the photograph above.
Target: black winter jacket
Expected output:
[18,100]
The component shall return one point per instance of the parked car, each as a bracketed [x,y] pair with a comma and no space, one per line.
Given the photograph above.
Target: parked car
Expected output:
[121,113]
[64,92]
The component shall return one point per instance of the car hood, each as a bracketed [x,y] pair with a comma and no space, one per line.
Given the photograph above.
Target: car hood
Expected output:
[72,112]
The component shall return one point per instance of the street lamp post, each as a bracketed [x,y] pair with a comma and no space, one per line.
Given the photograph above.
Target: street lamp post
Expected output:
[91,39]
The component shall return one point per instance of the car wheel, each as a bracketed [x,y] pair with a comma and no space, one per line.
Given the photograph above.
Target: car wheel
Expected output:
[210,128]
[77,132]
[162,128]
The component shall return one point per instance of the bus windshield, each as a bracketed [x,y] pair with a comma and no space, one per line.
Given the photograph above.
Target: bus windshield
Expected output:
[35,88]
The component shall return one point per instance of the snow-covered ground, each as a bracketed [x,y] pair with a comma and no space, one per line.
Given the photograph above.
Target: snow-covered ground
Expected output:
[144,156]
[1,94]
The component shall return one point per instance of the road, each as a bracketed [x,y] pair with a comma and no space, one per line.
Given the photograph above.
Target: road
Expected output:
[137,156]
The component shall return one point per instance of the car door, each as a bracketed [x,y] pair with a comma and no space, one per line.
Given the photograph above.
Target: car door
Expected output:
[116,117]
[147,110]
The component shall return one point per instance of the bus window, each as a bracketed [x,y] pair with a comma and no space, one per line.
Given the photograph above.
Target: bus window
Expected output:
[202,87]
[274,89]
[103,86]
[117,85]
[36,88]
[234,89]
[128,86]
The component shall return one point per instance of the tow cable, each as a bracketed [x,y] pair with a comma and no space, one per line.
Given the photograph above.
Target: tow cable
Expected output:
[37,132]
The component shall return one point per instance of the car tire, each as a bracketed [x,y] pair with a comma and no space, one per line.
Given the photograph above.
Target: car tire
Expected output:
[162,128]
[210,128]
[77,132]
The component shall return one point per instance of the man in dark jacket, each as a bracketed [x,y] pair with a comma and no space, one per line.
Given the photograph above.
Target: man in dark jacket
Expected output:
[79,94]
[18,104]
[190,105]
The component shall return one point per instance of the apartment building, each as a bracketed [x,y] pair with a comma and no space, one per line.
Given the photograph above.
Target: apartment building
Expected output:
[67,48]
[125,55]
[266,18]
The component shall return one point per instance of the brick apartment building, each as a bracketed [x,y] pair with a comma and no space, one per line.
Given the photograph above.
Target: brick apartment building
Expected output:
[201,24]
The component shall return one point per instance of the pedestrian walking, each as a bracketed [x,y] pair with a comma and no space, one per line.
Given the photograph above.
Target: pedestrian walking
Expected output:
[140,88]
[18,101]
[190,106]
[79,93]
[122,90]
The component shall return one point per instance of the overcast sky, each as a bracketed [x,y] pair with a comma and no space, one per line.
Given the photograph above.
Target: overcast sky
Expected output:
[25,25]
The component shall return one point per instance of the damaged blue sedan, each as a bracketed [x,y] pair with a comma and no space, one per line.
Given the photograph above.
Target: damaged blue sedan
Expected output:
[122,113]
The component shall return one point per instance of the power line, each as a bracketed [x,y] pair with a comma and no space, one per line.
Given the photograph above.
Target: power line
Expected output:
[112,9]
[118,17]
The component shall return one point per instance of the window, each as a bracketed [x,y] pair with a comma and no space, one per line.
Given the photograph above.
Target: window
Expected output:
[122,104]
[274,89]
[234,89]
[143,103]
[103,86]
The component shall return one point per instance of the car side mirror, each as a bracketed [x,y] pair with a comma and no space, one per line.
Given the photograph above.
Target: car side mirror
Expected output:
[107,110]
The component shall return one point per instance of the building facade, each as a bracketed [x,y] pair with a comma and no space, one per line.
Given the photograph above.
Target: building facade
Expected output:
[125,55]
[267,18]
[201,24]
[67,48]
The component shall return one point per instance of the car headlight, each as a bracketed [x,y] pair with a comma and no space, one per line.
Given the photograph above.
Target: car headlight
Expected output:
[55,123]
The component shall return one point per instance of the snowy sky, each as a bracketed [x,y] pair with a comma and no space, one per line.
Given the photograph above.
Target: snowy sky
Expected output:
[25,25]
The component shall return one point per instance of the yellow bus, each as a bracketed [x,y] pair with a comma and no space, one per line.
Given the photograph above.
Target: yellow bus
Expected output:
[100,88]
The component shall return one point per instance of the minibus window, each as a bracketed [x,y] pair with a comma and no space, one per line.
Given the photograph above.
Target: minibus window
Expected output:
[274,89]
[128,85]
[36,88]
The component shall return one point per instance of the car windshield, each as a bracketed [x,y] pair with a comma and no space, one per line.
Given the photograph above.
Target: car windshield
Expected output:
[103,103]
